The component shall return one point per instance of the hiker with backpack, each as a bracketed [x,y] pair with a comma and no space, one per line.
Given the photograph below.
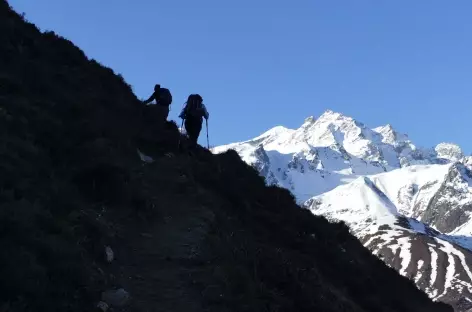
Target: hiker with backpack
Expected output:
[163,99]
[192,114]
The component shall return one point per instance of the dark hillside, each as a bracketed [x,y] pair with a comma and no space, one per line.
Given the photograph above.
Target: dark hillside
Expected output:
[198,233]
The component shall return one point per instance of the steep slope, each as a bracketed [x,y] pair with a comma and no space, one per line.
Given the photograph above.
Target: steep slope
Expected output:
[95,196]
[450,209]
[438,195]
[377,209]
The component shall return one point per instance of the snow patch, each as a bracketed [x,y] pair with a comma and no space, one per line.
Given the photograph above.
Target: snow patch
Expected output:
[419,268]
[434,270]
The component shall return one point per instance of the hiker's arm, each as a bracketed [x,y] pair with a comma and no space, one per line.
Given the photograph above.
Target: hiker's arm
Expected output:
[205,112]
[153,96]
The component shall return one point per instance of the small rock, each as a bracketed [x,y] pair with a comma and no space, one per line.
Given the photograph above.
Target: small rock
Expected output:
[109,253]
[145,158]
[117,298]
[212,293]
[102,306]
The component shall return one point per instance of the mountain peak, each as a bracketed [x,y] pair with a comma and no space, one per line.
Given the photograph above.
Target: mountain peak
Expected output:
[309,120]
[329,114]
[273,132]
[308,123]
[390,135]
[384,129]
[449,151]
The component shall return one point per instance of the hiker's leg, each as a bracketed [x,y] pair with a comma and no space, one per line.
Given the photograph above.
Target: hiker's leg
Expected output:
[190,129]
[195,126]
[163,113]
[194,136]
[166,113]
[198,128]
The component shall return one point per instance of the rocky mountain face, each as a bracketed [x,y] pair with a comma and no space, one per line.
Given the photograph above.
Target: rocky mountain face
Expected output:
[410,206]
[101,211]
[380,211]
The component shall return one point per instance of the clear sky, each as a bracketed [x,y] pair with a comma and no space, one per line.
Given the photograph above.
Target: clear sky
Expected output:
[262,63]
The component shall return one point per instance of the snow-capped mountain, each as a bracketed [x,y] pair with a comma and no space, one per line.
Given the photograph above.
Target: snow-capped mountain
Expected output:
[410,206]
[332,150]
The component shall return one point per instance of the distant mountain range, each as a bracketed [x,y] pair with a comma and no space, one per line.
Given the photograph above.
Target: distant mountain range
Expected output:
[410,206]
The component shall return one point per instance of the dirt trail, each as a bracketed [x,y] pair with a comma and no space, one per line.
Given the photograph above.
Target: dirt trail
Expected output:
[157,264]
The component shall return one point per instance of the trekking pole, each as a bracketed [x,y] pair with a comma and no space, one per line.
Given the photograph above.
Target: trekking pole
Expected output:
[208,139]
[180,132]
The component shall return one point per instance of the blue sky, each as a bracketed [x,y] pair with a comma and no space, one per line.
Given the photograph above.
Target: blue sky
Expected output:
[263,63]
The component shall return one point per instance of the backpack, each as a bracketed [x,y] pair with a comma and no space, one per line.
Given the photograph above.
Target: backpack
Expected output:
[194,106]
[165,97]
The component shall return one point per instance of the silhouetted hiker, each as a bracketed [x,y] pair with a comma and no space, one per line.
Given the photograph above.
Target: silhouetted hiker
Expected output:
[193,113]
[163,99]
